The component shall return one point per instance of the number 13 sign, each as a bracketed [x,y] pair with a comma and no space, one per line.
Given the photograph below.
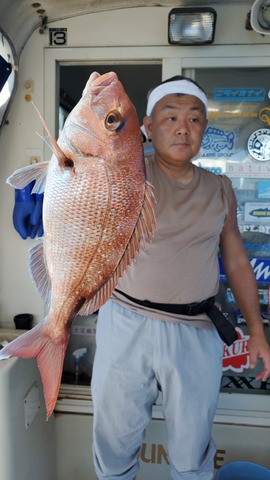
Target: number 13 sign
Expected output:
[58,37]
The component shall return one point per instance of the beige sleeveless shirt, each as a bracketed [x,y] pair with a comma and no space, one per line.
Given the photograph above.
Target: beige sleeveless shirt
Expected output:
[180,265]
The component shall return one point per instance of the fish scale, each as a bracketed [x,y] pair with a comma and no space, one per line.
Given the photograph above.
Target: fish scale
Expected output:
[98,207]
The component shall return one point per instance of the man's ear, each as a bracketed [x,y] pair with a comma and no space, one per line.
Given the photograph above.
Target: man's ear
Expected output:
[147,123]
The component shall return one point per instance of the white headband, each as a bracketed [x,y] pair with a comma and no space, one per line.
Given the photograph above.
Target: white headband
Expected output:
[176,86]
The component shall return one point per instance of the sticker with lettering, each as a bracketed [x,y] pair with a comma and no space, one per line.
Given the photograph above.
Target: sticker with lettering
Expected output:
[254,228]
[261,268]
[238,94]
[223,115]
[215,167]
[233,383]
[259,144]
[247,170]
[83,330]
[236,356]
[257,212]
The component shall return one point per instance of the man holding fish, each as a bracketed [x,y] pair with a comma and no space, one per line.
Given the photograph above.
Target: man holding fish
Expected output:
[161,329]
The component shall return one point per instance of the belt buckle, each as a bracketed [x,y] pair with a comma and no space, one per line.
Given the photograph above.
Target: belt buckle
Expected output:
[190,309]
[202,305]
[197,308]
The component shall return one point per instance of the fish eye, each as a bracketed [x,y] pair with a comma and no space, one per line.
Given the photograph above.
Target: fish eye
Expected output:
[113,120]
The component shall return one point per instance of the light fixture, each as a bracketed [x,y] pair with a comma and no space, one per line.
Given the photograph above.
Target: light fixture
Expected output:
[191,26]
[260,16]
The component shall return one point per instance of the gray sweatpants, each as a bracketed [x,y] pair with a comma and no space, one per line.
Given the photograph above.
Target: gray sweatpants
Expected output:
[136,354]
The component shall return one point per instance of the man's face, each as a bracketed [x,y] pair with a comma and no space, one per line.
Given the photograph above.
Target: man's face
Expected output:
[176,128]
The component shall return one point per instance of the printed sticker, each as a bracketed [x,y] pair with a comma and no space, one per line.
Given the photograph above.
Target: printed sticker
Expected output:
[216,140]
[236,356]
[247,170]
[261,268]
[259,144]
[257,212]
[238,94]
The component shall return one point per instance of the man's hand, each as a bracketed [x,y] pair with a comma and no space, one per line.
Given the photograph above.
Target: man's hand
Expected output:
[259,349]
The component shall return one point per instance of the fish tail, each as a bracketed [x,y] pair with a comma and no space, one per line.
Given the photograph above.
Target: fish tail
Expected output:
[50,355]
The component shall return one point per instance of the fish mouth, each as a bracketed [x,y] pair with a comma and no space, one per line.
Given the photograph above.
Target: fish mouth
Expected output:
[98,83]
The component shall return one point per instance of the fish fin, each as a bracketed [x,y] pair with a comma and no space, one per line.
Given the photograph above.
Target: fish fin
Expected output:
[103,294]
[36,343]
[88,307]
[63,160]
[146,225]
[22,177]
[147,218]
[39,272]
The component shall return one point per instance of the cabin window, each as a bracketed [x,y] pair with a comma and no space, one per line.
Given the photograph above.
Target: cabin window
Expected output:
[137,79]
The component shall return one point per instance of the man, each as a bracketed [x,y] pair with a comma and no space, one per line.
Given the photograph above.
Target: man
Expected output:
[144,346]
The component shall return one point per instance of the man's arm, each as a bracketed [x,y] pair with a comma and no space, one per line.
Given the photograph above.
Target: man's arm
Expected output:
[242,281]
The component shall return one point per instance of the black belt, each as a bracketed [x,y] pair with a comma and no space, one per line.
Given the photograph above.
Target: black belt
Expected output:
[224,327]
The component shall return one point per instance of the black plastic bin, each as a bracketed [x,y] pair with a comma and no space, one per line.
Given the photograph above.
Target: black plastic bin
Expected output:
[23,321]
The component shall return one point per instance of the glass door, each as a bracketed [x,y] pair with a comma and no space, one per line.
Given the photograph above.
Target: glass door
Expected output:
[237,143]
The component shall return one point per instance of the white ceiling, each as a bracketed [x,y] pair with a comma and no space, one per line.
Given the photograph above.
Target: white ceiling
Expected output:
[19,18]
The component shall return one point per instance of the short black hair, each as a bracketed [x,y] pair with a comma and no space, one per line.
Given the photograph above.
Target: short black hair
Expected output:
[181,77]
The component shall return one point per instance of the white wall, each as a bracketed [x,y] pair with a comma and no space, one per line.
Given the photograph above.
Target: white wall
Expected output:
[142,27]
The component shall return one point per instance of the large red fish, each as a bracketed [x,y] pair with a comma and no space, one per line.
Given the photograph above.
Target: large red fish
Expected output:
[97,208]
